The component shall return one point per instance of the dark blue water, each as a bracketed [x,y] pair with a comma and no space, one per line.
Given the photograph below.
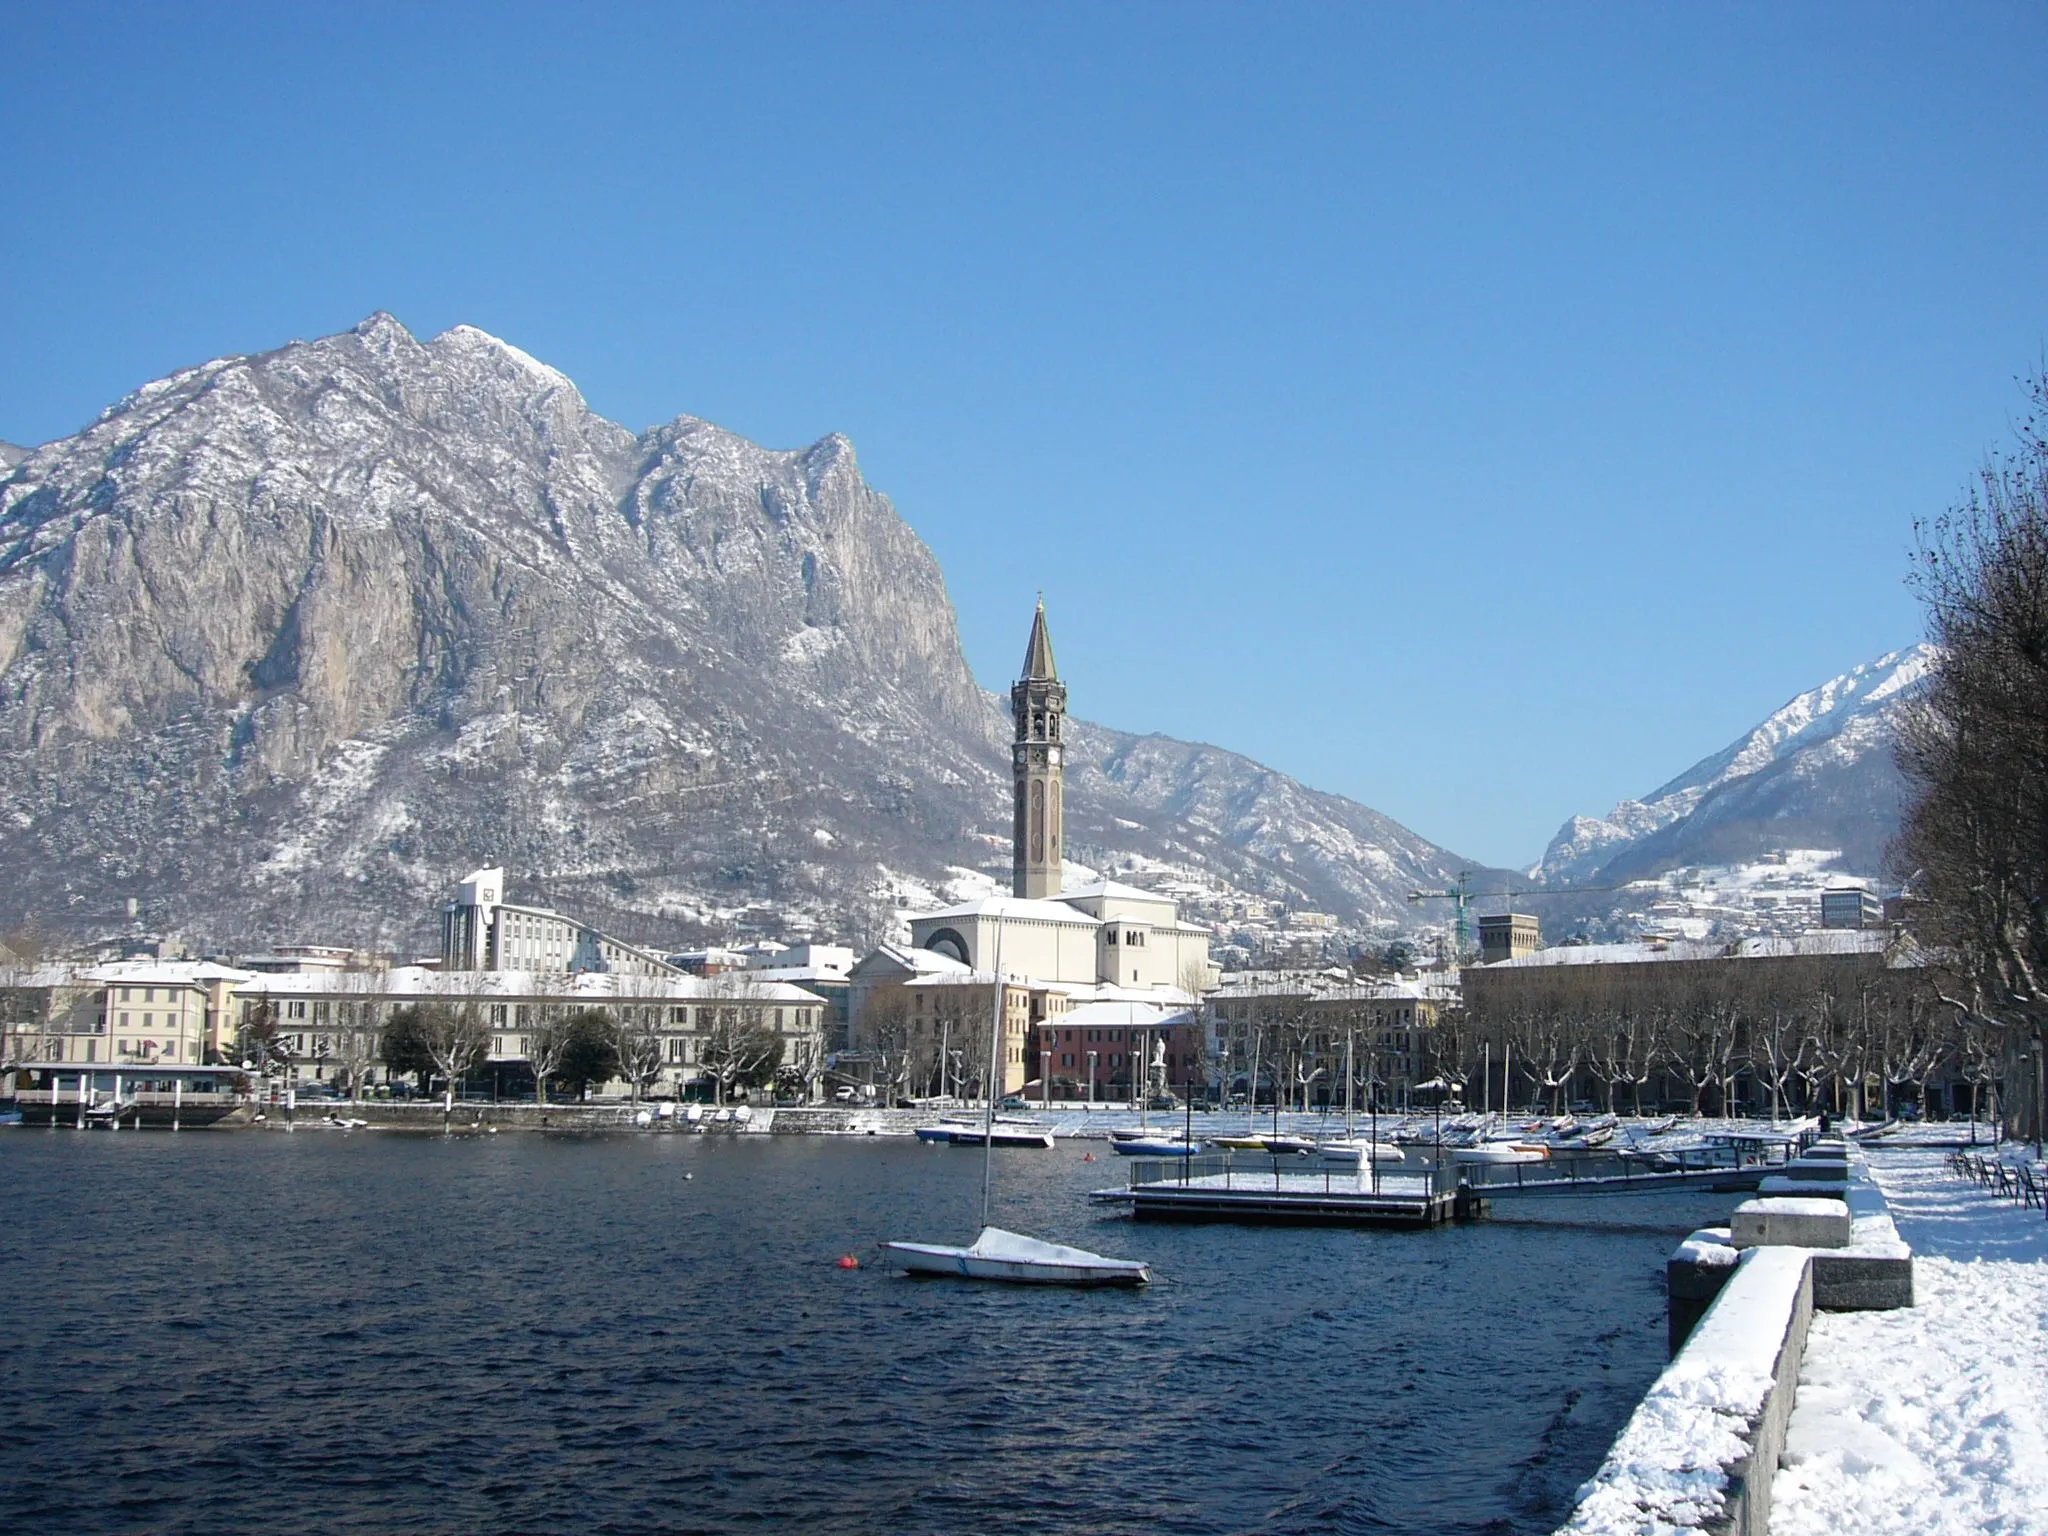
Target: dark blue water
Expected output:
[221,1332]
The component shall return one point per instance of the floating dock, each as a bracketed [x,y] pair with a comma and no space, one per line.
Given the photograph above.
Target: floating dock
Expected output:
[1272,1192]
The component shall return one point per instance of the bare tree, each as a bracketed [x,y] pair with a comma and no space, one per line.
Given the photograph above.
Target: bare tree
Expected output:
[355,1045]
[1973,849]
[547,1039]
[456,1039]
[638,1040]
[741,1048]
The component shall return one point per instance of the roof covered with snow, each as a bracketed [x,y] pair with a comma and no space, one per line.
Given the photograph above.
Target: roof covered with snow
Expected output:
[1020,909]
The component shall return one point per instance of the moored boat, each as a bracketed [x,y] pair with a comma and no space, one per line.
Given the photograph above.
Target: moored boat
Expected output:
[1154,1146]
[1019,1260]
[1354,1152]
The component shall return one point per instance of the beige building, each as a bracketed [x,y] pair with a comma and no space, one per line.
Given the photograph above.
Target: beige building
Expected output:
[329,1022]
[127,1013]
[1508,936]
[1293,1032]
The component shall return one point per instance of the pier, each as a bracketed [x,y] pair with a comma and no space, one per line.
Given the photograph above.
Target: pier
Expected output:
[1274,1191]
[1429,1188]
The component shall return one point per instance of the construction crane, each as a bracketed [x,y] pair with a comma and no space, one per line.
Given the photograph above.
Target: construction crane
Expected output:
[1464,897]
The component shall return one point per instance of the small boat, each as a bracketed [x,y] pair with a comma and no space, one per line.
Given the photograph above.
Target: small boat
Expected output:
[1154,1146]
[1020,1260]
[1239,1143]
[973,1135]
[1499,1152]
[998,1254]
[1659,1127]
[1354,1152]
[1288,1146]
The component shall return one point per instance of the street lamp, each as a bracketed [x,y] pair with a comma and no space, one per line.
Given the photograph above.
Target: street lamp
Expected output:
[2039,1106]
[1091,1078]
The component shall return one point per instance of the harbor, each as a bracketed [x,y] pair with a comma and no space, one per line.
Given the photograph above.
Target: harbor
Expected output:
[682,1311]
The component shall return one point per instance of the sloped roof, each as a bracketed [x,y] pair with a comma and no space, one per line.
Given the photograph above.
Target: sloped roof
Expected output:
[1038,663]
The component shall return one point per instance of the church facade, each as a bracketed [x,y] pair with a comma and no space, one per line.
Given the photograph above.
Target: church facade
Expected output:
[1099,935]
[1098,946]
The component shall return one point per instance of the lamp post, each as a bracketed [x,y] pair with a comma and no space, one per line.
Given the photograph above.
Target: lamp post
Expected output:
[2040,1063]
[1045,1077]
[1091,1079]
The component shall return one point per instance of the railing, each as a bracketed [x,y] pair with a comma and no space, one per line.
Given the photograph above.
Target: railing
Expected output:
[1256,1173]
[1609,1169]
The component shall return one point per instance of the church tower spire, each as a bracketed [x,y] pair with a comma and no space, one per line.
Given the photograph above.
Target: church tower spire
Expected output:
[1038,703]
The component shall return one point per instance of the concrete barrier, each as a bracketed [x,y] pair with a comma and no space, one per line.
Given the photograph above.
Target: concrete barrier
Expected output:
[1778,1222]
[1701,1449]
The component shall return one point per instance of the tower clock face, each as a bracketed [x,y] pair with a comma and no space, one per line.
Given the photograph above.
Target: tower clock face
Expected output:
[1052,755]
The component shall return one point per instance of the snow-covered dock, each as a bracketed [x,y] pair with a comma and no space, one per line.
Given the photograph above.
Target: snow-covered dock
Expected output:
[1268,1192]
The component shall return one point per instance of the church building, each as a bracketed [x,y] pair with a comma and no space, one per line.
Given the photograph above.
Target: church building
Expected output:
[1099,935]
[1101,947]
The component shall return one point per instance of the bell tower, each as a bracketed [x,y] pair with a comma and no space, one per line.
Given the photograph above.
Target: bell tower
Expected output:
[1038,702]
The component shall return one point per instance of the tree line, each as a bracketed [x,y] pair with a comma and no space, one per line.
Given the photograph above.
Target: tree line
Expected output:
[1972,855]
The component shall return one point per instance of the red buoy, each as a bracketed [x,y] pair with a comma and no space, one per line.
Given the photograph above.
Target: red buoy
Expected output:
[848,1261]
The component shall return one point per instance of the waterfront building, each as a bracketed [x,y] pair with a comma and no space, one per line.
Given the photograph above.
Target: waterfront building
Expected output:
[482,931]
[820,968]
[311,957]
[328,1023]
[1114,1049]
[1289,1033]
[1726,1028]
[126,1013]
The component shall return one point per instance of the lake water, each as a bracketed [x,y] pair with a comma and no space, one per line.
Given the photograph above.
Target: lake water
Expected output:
[319,1332]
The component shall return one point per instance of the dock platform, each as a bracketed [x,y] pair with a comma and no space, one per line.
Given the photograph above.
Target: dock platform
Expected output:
[1269,1193]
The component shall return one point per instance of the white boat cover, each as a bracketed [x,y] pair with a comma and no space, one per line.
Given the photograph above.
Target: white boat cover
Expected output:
[1016,1248]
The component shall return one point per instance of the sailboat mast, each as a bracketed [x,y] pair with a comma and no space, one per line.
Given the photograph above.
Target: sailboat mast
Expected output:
[1350,1120]
[988,1119]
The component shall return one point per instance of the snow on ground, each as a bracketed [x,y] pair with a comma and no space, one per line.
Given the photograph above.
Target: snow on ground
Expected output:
[1932,1419]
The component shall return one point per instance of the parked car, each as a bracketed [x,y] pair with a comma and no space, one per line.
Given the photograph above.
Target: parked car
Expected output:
[844,1094]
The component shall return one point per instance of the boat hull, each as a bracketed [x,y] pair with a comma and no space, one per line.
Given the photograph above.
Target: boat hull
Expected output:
[1008,1259]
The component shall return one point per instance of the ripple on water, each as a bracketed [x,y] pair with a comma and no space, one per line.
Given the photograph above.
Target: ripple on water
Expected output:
[401,1334]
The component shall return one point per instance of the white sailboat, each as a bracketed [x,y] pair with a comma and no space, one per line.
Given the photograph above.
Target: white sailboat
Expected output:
[997,1254]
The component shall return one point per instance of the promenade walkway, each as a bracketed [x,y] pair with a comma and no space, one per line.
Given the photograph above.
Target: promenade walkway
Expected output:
[1931,1419]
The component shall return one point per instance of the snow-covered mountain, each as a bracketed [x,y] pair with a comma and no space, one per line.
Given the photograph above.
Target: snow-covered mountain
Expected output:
[1818,773]
[289,642]
[11,454]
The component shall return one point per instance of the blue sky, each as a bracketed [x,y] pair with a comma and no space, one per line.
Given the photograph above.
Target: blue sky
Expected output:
[1481,411]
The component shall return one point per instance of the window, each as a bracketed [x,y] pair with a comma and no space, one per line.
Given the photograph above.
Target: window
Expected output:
[1109,936]
[149,1021]
[149,994]
[124,1021]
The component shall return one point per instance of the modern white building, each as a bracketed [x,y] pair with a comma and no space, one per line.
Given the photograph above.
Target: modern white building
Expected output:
[482,931]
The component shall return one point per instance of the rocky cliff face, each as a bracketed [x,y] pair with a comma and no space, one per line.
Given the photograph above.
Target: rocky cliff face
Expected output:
[1817,773]
[289,642]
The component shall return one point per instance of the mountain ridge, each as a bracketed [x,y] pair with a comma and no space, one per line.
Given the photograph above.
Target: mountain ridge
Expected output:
[290,640]
[1817,772]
